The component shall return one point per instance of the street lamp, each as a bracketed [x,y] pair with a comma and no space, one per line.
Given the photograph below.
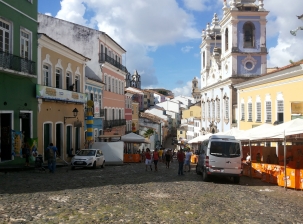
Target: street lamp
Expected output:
[75,113]
[294,32]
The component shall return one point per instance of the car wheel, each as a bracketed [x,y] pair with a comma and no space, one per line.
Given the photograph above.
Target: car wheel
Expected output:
[72,167]
[197,170]
[103,164]
[94,166]
[236,180]
[205,175]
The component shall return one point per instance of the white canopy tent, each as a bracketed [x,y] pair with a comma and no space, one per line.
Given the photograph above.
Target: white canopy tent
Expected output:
[231,132]
[292,127]
[246,135]
[200,138]
[133,138]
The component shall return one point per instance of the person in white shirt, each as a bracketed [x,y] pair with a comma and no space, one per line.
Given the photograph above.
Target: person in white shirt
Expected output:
[248,159]
[188,155]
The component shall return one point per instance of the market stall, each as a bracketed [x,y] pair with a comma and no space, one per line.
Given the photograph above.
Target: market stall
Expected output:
[287,169]
[131,142]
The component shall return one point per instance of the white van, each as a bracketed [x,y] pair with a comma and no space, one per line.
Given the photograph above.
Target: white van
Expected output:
[220,155]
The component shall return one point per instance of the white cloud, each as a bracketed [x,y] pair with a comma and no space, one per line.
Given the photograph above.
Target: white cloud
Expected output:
[139,27]
[281,21]
[196,5]
[48,14]
[186,49]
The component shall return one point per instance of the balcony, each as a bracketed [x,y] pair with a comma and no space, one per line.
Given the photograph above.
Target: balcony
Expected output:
[105,58]
[16,63]
[113,123]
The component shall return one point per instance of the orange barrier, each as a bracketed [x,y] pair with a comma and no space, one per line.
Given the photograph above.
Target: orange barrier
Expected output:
[194,159]
[256,170]
[132,158]
[292,178]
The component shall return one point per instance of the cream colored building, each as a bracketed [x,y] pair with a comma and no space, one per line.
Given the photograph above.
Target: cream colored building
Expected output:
[193,111]
[272,98]
[60,93]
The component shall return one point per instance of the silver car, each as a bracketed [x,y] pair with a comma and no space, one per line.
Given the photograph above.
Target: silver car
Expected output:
[88,158]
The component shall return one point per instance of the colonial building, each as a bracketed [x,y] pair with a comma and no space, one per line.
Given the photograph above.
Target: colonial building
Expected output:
[196,91]
[271,98]
[18,76]
[61,97]
[106,63]
[233,50]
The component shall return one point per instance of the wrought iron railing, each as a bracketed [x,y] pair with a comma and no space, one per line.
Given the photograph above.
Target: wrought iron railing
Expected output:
[16,63]
[106,58]
[113,123]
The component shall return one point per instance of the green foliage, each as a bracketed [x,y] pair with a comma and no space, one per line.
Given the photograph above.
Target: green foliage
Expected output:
[148,133]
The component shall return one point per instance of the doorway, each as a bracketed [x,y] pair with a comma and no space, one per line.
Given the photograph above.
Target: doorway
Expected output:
[59,139]
[68,138]
[77,139]
[5,136]
[46,135]
[26,127]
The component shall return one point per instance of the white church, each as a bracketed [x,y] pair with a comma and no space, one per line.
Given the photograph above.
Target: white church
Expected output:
[233,50]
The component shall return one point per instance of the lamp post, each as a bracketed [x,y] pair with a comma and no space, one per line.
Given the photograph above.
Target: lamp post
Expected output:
[75,113]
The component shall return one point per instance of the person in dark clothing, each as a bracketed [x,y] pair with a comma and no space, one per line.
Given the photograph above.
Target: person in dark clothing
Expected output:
[180,158]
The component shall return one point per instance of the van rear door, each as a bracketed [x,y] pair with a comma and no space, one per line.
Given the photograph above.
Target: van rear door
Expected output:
[217,156]
[233,157]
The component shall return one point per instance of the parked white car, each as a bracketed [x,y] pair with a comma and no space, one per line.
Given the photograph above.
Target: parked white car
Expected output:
[88,158]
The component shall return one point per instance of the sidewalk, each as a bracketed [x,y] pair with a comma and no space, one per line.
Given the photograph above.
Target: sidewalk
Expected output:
[18,165]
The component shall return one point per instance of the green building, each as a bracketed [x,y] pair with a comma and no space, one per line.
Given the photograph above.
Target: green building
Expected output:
[18,76]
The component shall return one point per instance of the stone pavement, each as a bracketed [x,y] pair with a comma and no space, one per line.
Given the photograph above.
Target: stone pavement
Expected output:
[129,194]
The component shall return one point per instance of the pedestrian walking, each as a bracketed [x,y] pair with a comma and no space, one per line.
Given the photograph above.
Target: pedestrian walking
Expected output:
[156,159]
[148,159]
[168,156]
[188,155]
[51,157]
[180,158]
[160,154]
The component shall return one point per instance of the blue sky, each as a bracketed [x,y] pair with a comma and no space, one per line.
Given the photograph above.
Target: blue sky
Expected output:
[162,37]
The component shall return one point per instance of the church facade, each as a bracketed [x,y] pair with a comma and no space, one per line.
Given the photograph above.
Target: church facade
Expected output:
[233,50]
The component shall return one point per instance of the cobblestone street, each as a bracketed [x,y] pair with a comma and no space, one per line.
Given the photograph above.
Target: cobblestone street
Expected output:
[129,194]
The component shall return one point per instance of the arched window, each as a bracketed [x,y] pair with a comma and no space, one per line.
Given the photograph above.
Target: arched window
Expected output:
[226,39]
[249,35]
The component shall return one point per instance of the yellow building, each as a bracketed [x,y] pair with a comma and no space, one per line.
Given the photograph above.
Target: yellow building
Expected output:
[193,111]
[61,97]
[274,98]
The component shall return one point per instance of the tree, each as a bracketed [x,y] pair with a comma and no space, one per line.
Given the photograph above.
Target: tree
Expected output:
[148,133]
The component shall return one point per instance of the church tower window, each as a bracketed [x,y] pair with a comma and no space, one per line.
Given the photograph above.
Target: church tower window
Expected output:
[226,39]
[249,35]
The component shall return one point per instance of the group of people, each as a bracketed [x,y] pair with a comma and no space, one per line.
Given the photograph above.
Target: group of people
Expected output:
[166,156]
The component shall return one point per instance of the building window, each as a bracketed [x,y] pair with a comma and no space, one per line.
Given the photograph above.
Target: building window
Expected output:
[226,109]
[249,35]
[209,112]
[77,83]
[268,111]
[249,108]
[280,111]
[203,59]
[113,85]
[116,86]
[4,36]
[46,75]
[68,80]
[226,39]
[258,111]
[25,45]
[191,113]
[58,78]
[242,112]
[203,110]
[109,84]
[218,109]
[105,82]
[213,109]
